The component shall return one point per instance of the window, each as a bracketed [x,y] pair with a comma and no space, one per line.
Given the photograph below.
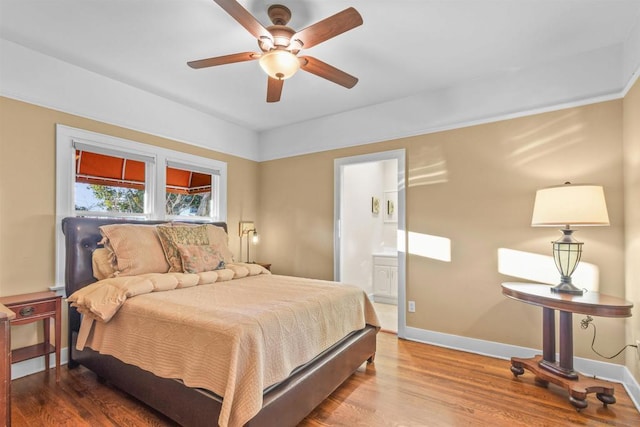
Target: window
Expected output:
[104,183]
[101,175]
[190,191]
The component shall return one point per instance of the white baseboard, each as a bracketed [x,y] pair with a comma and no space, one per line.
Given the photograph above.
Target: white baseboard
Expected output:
[32,366]
[604,370]
[632,387]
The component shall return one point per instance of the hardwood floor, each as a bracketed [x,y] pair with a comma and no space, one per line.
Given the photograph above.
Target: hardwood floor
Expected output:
[410,384]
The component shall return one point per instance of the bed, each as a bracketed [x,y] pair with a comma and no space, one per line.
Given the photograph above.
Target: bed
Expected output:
[189,400]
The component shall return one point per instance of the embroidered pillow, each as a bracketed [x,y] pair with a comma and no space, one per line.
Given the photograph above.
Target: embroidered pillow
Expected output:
[173,235]
[200,258]
[217,237]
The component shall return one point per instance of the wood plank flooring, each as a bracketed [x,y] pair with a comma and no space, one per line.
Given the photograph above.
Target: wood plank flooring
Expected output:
[410,384]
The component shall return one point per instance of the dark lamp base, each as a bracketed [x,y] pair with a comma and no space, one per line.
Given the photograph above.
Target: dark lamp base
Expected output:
[567,288]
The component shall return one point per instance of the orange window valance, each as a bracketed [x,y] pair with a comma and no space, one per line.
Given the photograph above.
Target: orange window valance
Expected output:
[102,169]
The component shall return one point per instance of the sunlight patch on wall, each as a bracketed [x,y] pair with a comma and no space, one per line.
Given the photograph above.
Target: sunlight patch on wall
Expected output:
[546,139]
[427,166]
[429,246]
[541,269]
[426,175]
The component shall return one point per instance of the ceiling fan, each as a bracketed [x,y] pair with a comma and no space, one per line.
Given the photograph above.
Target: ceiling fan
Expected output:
[281,44]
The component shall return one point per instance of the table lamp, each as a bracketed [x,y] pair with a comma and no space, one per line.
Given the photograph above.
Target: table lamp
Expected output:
[569,205]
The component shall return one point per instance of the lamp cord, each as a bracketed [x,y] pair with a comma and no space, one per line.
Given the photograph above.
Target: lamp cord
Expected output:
[584,324]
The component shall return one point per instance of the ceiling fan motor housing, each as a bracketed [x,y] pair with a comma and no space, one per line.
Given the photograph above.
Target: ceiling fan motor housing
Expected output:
[281,38]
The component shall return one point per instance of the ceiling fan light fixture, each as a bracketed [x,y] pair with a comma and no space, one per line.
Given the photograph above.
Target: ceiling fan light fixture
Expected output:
[280,45]
[280,64]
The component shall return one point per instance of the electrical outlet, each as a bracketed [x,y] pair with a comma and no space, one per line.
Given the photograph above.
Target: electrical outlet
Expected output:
[412,306]
[638,348]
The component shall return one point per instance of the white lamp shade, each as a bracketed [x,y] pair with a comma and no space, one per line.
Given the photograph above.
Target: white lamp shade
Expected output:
[279,64]
[570,204]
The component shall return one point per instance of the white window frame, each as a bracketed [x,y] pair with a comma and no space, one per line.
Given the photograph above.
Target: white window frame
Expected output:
[195,167]
[155,176]
[110,149]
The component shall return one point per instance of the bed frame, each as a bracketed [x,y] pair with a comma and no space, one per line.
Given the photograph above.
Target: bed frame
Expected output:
[284,404]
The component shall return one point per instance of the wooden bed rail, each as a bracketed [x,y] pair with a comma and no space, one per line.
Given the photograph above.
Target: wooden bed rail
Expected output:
[5,364]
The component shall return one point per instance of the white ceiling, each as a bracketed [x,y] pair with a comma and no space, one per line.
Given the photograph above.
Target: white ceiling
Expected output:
[403,48]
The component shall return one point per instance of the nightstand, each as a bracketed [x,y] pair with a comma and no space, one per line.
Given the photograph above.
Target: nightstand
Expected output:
[545,367]
[267,266]
[31,308]
[5,364]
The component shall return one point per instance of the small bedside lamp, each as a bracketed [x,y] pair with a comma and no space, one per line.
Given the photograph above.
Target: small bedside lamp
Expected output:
[567,205]
[248,228]
[255,239]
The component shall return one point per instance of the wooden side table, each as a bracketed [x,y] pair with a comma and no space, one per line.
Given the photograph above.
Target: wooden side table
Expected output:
[5,364]
[544,367]
[31,308]
[267,266]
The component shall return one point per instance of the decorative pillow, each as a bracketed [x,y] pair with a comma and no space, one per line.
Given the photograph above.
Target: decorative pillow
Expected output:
[104,264]
[219,238]
[196,259]
[173,235]
[136,247]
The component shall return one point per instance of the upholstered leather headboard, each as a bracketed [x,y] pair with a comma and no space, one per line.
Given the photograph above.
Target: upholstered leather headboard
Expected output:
[81,239]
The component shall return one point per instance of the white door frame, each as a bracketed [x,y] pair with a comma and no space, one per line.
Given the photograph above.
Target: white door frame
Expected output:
[339,165]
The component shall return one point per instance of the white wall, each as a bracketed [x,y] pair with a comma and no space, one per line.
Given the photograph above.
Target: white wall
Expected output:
[42,80]
[390,229]
[364,232]
[585,78]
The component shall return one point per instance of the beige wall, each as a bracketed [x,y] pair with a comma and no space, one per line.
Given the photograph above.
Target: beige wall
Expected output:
[631,132]
[27,195]
[492,173]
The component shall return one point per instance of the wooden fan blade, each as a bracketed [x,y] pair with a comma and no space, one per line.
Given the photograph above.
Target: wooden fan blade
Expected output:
[274,89]
[221,60]
[245,19]
[328,28]
[326,71]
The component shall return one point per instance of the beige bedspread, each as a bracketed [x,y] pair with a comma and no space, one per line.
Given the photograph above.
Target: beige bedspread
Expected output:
[234,338]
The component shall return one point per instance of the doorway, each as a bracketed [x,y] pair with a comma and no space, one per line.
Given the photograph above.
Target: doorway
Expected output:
[369,230]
